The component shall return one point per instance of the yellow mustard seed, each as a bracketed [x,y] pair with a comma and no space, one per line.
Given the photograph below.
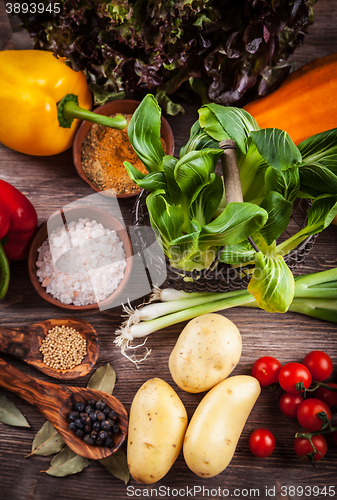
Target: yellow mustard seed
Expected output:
[63,348]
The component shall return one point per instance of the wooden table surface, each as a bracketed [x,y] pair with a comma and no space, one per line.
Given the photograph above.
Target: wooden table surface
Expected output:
[51,183]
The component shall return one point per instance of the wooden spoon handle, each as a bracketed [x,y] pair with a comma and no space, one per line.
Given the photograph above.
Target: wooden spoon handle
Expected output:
[15,342]
[36,392]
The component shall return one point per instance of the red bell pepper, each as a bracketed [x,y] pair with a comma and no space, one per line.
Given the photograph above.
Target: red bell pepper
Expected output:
[18,221]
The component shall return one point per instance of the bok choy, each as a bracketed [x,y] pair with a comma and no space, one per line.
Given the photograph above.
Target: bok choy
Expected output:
[187,201]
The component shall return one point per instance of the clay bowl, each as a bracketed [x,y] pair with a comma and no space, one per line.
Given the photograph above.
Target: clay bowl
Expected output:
[109,221]
[123,106]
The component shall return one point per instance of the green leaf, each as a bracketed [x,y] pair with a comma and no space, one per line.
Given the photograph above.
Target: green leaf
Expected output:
[117,465]
[234,224]
[240,253]
[170,107]
[317,180]
[10,413]
[192,171]
[321,150]
[184,248]
[279,211]
[222,122]
[277,148]
[166,220]
[150,182]
[199,139]
[47,441]
[169,163]
[320,215]
[272,284]
[204,205]
[103,379]
[144,134]
[285,182]
[66,463]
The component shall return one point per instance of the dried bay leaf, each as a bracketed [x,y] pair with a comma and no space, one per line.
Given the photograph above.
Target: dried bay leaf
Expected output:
[103,379]
[47,441]
[67,462]
[117,465]
[10,413]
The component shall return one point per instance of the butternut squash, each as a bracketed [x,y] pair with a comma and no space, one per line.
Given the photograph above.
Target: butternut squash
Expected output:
[305,104]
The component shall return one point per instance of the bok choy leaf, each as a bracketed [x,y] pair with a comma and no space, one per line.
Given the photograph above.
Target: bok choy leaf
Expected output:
[279,211]
[276,148]
[272,284]
[144,134]
[187,202]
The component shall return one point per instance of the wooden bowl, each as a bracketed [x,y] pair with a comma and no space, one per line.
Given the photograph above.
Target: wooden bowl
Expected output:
[109,221]
[123,106]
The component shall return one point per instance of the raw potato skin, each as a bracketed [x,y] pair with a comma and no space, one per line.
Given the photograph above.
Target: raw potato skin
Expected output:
[157,425]
[216,425]
[207,351]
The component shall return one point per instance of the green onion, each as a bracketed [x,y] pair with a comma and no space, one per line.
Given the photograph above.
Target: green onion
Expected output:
[315,295]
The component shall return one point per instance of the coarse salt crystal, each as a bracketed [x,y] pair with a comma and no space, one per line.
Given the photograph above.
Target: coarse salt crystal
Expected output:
[94,266]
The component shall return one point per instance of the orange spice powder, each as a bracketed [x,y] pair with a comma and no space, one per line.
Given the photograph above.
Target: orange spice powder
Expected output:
[104,150]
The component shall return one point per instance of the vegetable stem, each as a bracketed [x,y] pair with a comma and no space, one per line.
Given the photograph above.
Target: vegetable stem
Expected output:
[4,272]
[68,110]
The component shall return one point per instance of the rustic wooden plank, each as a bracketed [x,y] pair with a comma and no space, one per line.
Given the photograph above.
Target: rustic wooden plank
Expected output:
[51,183]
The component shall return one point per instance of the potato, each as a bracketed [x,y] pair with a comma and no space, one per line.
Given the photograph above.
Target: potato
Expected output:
[157,425]
[206,352]
[216,425]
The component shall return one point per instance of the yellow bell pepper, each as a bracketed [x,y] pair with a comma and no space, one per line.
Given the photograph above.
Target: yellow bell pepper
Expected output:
[42,101]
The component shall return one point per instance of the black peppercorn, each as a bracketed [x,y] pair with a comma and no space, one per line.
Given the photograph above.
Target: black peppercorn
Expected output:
[106,425]
[94,422]
[88,439]
[112,415]
[109,442]
[96,426]
[79,423]
[80,433]
[79,406]
[74,415]
[73,426]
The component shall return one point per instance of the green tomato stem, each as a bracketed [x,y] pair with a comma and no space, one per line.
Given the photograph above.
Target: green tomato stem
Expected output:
[309,435]
[320,384]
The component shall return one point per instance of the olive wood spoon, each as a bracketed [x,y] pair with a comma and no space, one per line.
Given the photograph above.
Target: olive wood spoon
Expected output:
[56,401]
[25,342]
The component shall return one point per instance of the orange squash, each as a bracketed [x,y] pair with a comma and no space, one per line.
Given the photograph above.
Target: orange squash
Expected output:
[305,104]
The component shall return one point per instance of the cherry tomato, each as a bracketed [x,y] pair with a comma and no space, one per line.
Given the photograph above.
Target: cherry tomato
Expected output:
[303,447]
[289,404]
[329,397]
[266,370]
[262,443]
[292,373]
[319,364]
[307,414]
